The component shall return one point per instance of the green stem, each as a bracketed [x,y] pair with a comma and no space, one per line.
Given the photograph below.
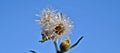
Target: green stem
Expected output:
[56,47]
[77,42]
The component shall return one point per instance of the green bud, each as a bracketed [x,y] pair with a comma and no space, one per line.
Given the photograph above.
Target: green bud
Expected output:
[65,45]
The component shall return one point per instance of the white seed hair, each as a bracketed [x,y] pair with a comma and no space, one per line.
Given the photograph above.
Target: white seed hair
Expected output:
[51,19]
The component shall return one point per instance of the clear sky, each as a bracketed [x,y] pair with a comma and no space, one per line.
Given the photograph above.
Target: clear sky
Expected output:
[97,20]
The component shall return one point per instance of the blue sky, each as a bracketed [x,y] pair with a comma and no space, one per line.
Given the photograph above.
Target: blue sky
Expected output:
[97,20]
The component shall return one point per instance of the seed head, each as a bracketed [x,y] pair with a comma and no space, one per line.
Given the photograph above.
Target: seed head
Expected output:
[54,25]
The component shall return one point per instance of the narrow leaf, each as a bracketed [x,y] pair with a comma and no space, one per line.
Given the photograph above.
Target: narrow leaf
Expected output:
[32,51]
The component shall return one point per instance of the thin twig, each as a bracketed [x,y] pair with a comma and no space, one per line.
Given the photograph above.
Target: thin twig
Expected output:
[77,42]
[56,47]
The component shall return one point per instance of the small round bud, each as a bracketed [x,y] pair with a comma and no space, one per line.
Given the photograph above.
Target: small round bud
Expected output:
[65,45]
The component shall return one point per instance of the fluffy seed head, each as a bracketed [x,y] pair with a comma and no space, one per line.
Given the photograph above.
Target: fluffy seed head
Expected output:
[54,25]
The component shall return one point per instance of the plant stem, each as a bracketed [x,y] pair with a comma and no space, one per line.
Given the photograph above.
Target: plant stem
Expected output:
[56,47]
[77,42]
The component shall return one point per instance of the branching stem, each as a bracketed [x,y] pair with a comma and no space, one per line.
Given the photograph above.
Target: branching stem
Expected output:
[56,47]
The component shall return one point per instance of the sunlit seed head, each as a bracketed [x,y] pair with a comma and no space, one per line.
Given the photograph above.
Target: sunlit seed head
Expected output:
[59,29]
[45,20]
[54,25]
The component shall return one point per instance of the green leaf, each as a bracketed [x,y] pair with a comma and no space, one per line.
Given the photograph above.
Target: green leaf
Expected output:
[42,41]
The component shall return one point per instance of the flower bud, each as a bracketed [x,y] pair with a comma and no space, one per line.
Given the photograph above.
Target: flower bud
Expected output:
[65,45]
